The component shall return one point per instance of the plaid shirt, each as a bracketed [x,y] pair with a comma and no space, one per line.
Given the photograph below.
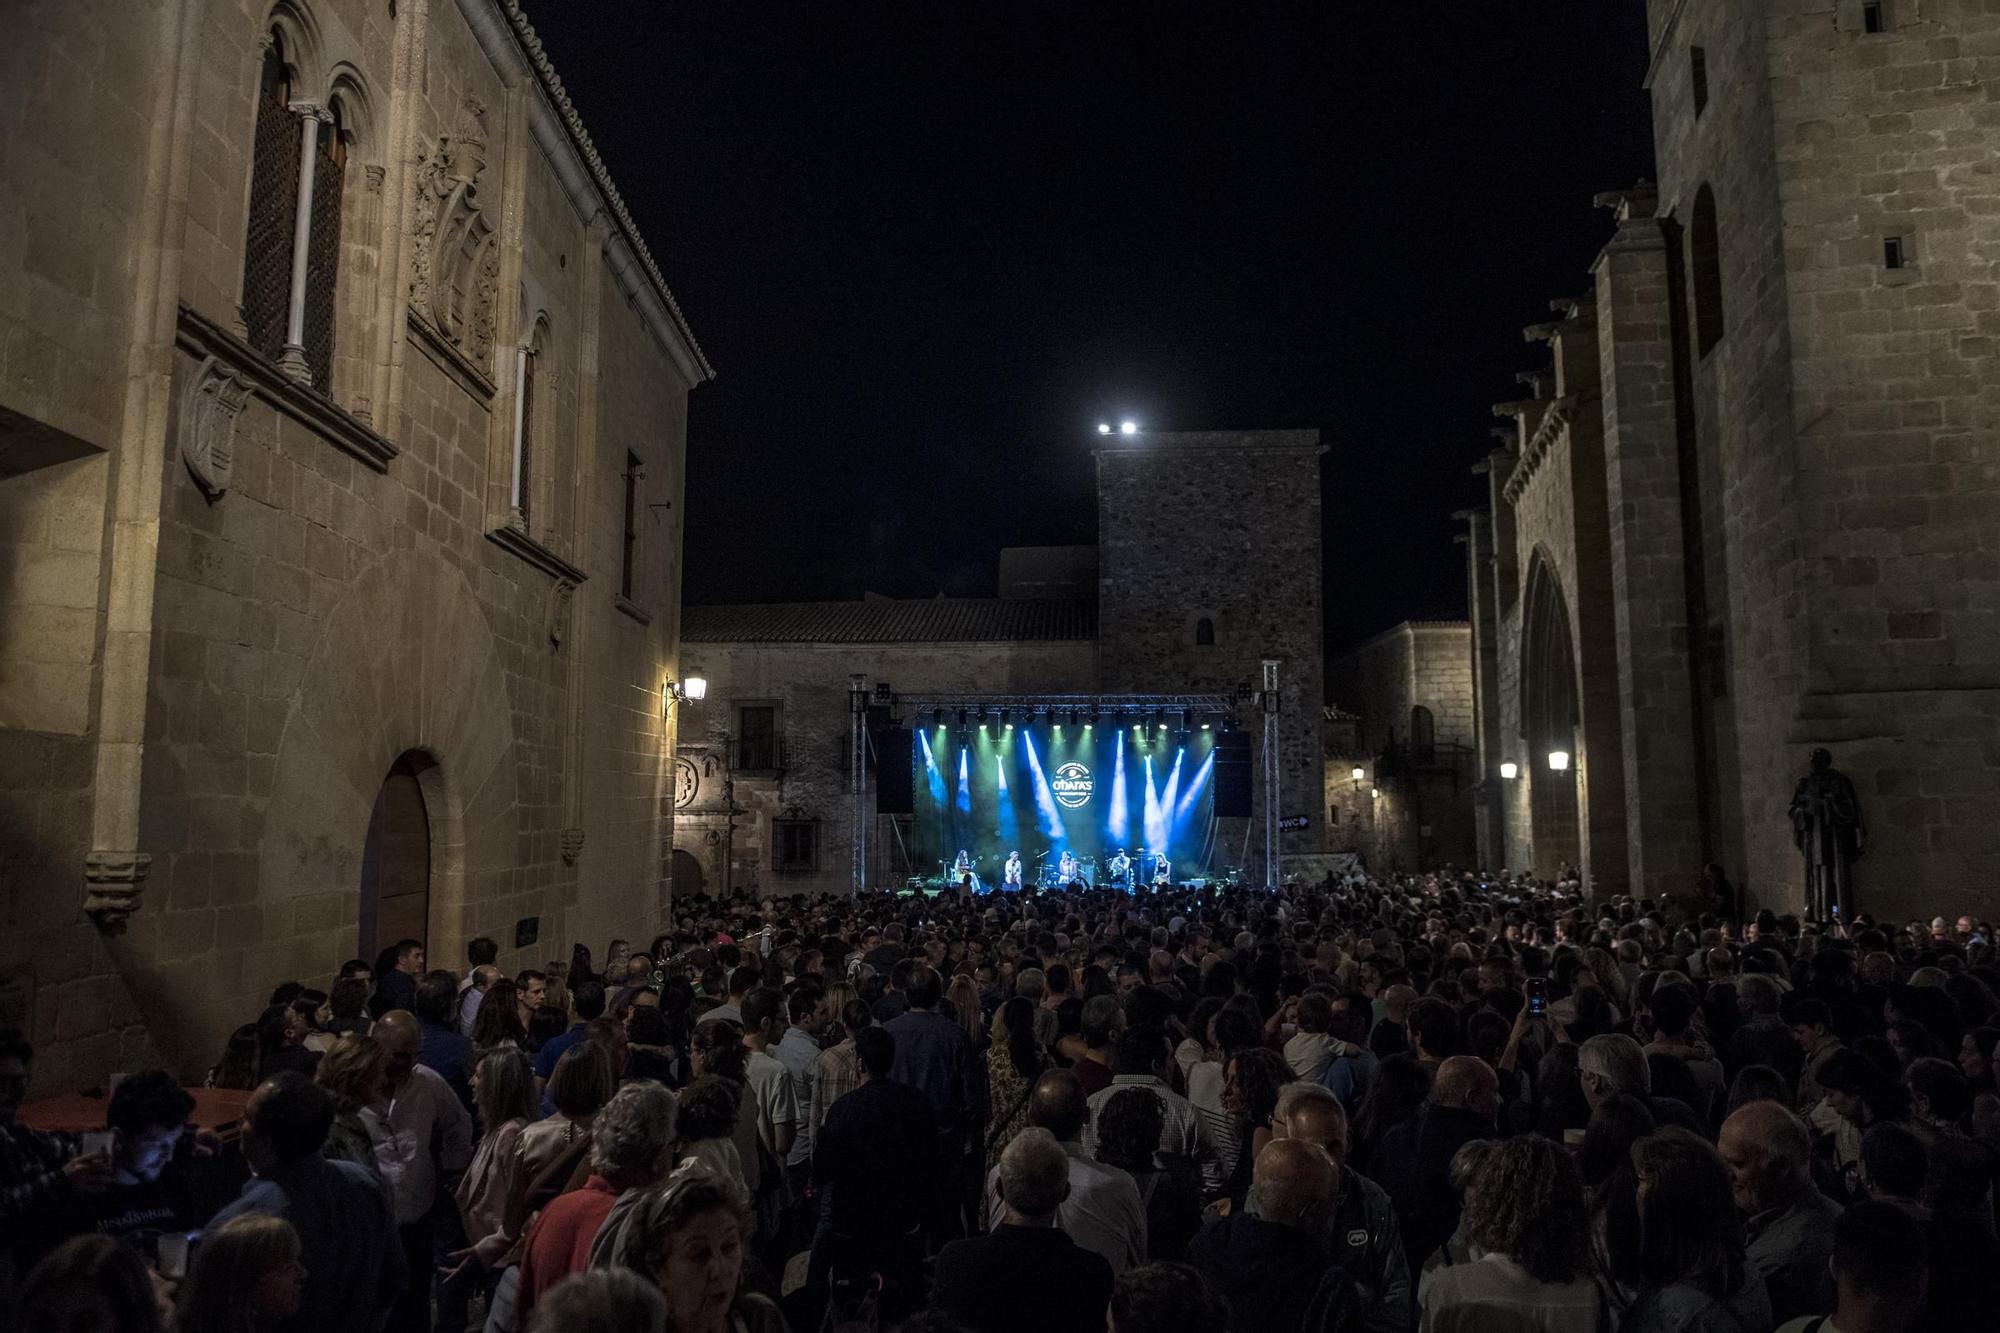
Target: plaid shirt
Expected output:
[31,1179]
[836,1073]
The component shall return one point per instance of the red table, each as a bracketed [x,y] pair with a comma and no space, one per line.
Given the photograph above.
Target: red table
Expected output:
[75,1113]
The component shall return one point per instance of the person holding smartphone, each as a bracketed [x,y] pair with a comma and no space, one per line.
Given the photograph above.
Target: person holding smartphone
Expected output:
[144,1124]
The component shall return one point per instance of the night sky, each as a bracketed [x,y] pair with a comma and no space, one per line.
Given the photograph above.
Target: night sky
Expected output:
[929,246]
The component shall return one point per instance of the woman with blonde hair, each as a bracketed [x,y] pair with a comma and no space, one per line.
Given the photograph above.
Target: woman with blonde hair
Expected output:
[963,997]
[356,1072]
[246,1278]
[503,1089]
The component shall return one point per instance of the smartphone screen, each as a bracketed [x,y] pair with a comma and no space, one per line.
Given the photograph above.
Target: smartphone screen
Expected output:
[1538,996]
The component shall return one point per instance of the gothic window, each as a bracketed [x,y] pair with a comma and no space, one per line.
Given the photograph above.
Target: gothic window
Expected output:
[291,263]
[274,200]
[1204,633]
[1698,76]
[1705,267]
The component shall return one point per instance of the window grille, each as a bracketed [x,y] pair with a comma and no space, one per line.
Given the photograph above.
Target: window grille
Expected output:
[323,251]
[274,202]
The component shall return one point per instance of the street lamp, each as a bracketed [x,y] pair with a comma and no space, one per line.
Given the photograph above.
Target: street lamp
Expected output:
[1358,774]
[1103,428]
[1128,428]
[1509,770]
[1558,761]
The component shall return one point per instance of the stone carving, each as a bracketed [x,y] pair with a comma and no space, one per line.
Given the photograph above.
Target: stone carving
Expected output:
[687,783]
[113,884]
[455,265]
[572,845]
[1826,826]
[562,596]
[215,397]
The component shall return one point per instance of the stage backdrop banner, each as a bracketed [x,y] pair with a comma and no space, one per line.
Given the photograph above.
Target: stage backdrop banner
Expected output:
[1042,790]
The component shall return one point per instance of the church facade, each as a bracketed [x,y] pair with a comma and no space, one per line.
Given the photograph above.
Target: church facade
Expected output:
[341,448]
[1748,509]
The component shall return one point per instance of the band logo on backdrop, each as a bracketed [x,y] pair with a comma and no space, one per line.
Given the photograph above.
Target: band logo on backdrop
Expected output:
[1072,786]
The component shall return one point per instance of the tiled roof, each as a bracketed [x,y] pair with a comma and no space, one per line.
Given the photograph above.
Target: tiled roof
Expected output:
[937,620]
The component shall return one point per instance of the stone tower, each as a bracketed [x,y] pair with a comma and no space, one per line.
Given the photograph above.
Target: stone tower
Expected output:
[1209,563]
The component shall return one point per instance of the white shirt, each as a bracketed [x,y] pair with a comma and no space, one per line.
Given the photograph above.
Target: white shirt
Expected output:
[401,1129]
[1182,1132]
[774,1094]
[1103,1212]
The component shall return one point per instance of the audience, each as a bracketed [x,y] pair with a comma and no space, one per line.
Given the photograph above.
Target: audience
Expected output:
[1433,1101]
[1025,1275]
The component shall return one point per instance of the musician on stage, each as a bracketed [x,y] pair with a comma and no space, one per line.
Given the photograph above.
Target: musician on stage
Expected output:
[1120,867]
[1163,872]
[961,870]
[1010,878]
[1068,870]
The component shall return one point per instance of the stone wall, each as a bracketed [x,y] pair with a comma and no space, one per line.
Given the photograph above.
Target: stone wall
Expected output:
[1846,420]
[808,684]
[1414,807]
[301,584]
[1247,560]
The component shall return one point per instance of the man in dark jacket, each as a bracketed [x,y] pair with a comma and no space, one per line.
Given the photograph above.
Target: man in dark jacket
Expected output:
[875,1161]
[1025,1276]
[342,1216]
[1414,1161]
[1361,1227]
[1276,1269]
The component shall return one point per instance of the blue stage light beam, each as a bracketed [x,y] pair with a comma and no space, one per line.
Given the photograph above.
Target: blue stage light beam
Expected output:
[1155,813]
[1170,796]
[1195,784]
[1117,821]
[933,775]
[1049,813]
[1007,825]
[964,781]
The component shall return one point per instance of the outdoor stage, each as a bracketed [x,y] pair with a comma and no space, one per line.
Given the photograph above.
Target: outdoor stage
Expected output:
[1047,776]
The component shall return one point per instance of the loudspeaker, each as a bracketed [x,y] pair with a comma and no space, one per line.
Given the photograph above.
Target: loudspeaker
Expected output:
[1232,775]
[893,772]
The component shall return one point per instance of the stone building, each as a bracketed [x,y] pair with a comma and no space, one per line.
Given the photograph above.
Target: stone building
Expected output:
[1404,722]
[1154,609]
[1749,508]
[341,440]
[765,801]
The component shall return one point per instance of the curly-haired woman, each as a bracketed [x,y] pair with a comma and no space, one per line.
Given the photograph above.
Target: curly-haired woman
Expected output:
[1526,1216]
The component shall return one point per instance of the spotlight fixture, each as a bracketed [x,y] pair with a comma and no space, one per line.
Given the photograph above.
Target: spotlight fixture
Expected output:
[961,717]
[1509,770]
[1128,428]
[1103,428]
[1187,720]
[1558,761]
[938,717]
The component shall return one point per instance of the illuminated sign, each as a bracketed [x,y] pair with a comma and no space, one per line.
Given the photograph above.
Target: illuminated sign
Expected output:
[1072,786]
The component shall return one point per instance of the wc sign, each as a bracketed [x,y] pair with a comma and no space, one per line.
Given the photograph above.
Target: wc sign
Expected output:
[1072,786]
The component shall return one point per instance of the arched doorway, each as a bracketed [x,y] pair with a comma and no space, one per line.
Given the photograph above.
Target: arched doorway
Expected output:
[687,878]
[396,859]
[1549,725]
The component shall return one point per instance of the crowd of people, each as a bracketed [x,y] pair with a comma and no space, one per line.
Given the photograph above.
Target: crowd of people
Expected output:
[1444,1102]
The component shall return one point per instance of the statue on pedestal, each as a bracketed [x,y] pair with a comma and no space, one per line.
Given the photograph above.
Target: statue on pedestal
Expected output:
[1826,826]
